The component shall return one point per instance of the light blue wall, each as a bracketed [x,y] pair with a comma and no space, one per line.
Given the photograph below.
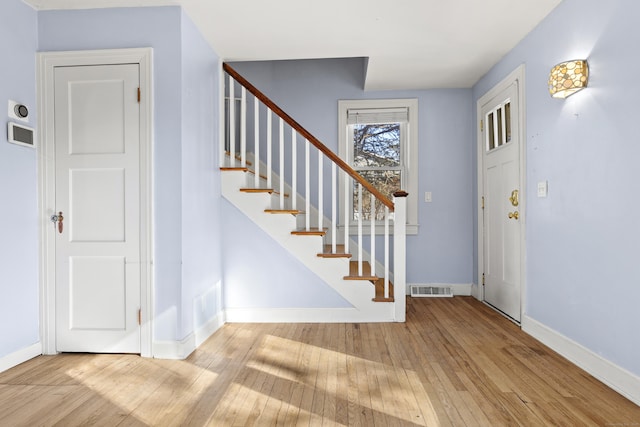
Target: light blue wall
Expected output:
[309,91]
[19,306]
[201,234]
[583,240]
[178,144]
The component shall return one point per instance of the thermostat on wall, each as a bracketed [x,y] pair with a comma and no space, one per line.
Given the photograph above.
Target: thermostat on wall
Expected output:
[21,135]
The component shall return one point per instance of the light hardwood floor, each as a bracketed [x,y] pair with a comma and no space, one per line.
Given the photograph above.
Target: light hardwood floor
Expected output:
[455,362]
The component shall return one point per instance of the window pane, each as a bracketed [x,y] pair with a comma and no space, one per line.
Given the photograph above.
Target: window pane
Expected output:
[376,145]
[507,119]
[499,125]
[491,142]
[387,182]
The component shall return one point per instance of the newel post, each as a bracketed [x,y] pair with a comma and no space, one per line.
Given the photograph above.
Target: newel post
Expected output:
[400,254]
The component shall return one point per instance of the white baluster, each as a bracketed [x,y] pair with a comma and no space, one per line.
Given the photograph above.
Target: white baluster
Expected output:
[372,229]
[334,207]
[348,206]
[359,229]
[320,190]
[243,128]
[269,148]
[281,162]
[386,251]
[232,121]
[294,171]
[307,185]
[256,138]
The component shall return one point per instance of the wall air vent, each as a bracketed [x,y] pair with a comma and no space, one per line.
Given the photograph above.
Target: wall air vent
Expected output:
[431,291]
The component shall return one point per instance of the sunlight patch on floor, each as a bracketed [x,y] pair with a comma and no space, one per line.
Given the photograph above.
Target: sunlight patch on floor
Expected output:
[353,380]
[163,387]
[248,405]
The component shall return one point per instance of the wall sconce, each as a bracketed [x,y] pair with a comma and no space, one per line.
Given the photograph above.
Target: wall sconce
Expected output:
[568,78]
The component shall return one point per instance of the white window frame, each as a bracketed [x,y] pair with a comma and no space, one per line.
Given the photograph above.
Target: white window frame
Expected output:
[409,153]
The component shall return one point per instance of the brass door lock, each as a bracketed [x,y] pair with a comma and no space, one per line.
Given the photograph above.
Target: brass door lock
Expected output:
[514,198]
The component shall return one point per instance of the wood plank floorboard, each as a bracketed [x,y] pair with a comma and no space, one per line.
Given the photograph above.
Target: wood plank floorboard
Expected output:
[455,362]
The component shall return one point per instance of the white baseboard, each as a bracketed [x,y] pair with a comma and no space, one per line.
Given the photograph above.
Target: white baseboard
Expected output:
[304,315]
[20,356]
[475,291]
[619,379]
[463,289]
[179,350]
[208,329]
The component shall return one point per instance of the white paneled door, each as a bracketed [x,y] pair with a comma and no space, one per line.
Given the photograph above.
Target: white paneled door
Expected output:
[97,192]
[502,202]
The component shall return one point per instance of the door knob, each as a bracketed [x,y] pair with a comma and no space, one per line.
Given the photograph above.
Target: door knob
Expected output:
[514,215]
[58,219]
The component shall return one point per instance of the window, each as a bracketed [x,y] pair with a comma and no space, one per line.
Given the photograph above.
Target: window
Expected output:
[498,126]
[378,138]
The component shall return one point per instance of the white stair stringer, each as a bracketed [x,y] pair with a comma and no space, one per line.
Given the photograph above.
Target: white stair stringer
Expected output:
[305,248]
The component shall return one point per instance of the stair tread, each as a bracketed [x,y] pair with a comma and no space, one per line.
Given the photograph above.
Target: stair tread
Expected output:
[284,211]
[376,299]
[311,232]
[339,253]
[257,190]
[262,190]
[233,168]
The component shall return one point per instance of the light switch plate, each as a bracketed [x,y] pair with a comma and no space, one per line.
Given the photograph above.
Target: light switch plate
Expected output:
[427,196]
[543,188]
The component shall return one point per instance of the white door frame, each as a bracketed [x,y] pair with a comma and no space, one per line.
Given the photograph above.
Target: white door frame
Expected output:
[518,76]
[46,64]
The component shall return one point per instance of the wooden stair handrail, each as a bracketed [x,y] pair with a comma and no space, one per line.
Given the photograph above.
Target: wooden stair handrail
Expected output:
[307,135]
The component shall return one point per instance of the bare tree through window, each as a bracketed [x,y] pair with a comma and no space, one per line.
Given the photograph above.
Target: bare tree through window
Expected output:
[377,157]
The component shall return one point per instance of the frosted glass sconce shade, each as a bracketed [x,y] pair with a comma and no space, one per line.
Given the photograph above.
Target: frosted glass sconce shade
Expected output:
[568,78]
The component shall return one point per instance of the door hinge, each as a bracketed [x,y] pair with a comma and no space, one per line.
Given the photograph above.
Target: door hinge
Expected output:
[482,205]
[138,95]
[140,316]
[482,279]
[481,125]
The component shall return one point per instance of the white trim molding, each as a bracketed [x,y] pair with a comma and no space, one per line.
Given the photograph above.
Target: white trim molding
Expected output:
[205,331]
[180,350]
[615,377]
[20,356]
[46,64]
[175,350]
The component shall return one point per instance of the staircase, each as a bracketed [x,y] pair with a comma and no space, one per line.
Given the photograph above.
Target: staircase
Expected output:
[253,180]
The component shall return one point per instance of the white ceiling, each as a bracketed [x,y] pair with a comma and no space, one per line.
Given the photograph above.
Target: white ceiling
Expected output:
[411,44]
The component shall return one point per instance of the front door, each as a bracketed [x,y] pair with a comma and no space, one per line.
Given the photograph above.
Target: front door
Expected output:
[502,202]
[97,193]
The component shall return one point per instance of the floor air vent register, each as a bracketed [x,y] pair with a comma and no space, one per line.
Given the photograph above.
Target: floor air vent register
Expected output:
[431,291]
